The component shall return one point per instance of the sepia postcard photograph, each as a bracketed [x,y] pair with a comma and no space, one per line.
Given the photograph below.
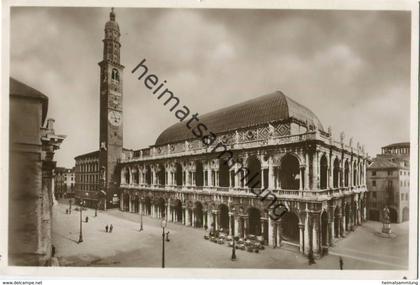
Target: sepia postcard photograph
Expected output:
[199,139]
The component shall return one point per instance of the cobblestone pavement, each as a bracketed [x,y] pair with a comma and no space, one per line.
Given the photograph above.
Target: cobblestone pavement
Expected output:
[126,246]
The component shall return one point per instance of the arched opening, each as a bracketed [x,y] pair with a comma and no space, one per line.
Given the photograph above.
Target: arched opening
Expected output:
[136,204]
[354,174]
[323,172]
[289,174]
[223,174]
[336,172]
[346,173]
[161,175]
[126,198]
[361,176]
[224,217]
[198,215]
[199,181]
[147,206]
[178,174]
[290,227]
[253,178]
[393,215]
[374,215]
[127,176]
[148,175]
[337,222]
[178,211]
[254,218]
[161,207]
[324,228]
[347,216]
[115,74]
[405,214]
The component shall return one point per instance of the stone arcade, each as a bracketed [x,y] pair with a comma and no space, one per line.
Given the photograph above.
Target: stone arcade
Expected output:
[320,180]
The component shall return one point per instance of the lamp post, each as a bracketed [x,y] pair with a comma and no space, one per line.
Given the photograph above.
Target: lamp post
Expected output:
[81,209]
[96,208]
[163,225]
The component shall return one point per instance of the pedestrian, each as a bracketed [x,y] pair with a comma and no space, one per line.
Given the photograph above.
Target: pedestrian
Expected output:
[52,251]
[86,219]
[111,228]
[341,263]
[167,236]
[106,228]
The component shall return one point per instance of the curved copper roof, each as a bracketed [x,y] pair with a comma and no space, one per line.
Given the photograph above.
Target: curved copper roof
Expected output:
[261,110]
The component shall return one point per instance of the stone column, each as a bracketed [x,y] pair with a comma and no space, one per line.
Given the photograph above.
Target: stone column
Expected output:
[246,226]
[183,220]
[315,234]
[236,176]
[279,232]
[210,179]
[187,216]
[193,218]
[307,234]
[130,204]
[270,231]
[343,225]
[270,175]
[236,227]
[230,223]
[306,171]
[301,237]
[301,172]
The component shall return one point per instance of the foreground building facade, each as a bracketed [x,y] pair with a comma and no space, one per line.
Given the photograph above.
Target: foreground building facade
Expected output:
[271,143]
[388,179]
[33,143]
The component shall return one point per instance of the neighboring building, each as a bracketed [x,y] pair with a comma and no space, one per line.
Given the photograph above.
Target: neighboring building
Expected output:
[64,182]
[388,179]
[272,141]
[32,148]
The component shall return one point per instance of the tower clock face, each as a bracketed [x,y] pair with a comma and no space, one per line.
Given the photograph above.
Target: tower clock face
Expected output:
[114,118]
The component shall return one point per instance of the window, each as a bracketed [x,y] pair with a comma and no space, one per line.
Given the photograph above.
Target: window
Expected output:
[402,196]
[373,173]
[374,194]
[115,75]
[389,172]
[374,183]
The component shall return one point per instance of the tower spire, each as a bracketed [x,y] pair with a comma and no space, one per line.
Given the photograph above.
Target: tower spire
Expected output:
[112,14]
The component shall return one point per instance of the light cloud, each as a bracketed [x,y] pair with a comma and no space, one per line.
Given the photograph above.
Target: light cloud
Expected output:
[351,68]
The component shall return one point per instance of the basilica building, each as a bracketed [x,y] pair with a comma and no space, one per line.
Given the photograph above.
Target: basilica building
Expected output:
[270,143]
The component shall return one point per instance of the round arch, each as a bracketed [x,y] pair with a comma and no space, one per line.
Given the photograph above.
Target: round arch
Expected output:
[254,219]
[289,174]
[336,172]
[178,174]
[224,217]
[253,179]
[198,213]
[323,172]
[290,227]
[199,178]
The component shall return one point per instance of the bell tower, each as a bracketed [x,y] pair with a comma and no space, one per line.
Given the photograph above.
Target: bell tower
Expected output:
[111,113]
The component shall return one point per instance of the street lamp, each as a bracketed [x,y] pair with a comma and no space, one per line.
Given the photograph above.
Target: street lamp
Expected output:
[163,225]
[81,209]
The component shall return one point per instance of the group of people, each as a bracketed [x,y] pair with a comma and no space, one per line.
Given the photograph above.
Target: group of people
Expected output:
[109,229]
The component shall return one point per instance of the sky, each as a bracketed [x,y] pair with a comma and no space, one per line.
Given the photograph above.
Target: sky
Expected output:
[351,68]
